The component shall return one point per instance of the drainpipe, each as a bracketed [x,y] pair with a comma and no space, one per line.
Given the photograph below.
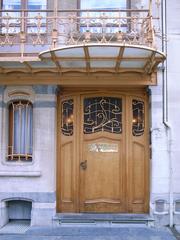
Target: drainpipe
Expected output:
[165,108]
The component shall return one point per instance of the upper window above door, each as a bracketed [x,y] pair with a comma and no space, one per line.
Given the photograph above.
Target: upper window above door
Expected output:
[102,114]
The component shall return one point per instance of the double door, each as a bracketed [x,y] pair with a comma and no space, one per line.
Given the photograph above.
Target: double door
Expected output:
[103,153]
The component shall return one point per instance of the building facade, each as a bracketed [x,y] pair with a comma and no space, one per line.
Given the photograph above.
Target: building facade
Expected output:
[89,109]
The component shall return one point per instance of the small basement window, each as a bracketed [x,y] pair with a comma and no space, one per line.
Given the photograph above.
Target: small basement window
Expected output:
[20,131]
[19,210]
[177,206]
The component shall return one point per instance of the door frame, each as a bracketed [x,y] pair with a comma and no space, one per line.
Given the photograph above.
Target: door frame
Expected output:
[139,93]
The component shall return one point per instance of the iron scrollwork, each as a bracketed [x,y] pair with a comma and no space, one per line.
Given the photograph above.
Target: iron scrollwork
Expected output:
[67,117]
[102,114]
[138,118]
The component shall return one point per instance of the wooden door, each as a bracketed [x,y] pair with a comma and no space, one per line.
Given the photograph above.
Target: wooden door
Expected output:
[103,153]
[102,175]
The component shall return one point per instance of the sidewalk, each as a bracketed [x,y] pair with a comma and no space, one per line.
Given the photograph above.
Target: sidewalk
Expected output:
[92,233]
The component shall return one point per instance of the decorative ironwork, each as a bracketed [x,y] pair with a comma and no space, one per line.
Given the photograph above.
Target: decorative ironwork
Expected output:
[40,27]
[67,117]
[138,118]
[103,114]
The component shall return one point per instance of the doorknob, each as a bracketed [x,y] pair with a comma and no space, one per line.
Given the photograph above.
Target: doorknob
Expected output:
[83,165]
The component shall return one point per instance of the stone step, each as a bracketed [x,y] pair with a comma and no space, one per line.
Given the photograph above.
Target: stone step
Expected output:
[89,218]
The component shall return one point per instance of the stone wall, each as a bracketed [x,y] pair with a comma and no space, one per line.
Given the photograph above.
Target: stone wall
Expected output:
[165,141]
[36,180]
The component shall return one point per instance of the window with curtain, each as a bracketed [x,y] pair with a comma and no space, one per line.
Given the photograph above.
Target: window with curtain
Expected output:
[20,131]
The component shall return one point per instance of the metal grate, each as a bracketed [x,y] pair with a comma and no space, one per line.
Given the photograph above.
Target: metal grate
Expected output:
[138,118]
[103,114]
[67,117]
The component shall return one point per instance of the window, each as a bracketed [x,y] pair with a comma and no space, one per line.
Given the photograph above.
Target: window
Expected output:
[107,21]
[103,114]
[20,131]
[24,4]
[67,117]
[106,4]
[138,118]
[14,21]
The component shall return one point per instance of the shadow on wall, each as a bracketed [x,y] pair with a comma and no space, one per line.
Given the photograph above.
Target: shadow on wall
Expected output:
[17,210]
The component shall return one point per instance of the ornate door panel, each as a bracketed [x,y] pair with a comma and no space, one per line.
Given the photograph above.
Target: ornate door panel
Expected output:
[68,152]
[138,160]
[102,177]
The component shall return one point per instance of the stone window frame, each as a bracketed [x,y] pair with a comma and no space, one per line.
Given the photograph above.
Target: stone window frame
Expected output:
[13,93]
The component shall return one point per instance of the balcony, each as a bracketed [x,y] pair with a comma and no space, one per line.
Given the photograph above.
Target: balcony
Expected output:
[83,41]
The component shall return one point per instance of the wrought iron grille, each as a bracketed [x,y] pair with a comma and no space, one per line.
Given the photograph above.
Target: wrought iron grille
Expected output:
[138,118]
[102,114]
[67,117]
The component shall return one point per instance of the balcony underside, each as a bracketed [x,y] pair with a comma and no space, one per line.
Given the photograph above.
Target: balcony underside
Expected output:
[114,61]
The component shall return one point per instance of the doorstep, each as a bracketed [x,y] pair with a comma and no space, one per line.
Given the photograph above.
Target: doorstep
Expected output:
[95,218]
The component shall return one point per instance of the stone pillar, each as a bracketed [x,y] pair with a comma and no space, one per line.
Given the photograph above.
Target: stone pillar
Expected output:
[3,206]
[45,150]
[2,88]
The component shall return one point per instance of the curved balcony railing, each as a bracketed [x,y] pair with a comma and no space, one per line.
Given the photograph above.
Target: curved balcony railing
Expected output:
[24,29]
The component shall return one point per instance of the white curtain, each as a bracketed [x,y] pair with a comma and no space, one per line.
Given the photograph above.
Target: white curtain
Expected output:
[23,129]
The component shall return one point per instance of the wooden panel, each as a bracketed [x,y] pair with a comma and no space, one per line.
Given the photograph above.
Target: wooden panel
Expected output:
[80,79]
[103,177]
[67,172]
[138,158]
[102,188]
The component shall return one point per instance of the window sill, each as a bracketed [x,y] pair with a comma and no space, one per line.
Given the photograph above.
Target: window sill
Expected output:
[17,163]
[20,174]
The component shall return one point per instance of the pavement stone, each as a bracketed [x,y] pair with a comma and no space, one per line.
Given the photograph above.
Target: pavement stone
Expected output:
[92,233]
[177,227]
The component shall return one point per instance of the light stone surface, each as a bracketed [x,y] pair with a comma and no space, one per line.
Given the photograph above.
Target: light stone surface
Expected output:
[44,158]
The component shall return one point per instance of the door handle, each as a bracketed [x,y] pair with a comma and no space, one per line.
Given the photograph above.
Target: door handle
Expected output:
[83,165]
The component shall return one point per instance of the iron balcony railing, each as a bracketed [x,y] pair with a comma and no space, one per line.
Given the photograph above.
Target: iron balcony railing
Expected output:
[23,29]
